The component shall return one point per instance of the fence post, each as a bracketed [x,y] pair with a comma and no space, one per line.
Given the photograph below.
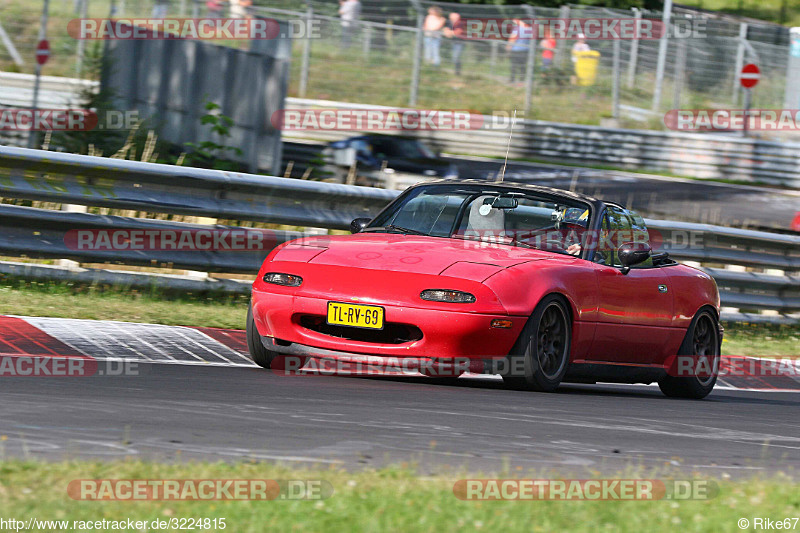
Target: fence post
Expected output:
[662,53]
[634,57]
[493,46]
[33,135]
[81,42]
[740,45]
[412,97]
[680,69]
[563,13]
[12,51]
[306,58]
[616,80]
[367,40]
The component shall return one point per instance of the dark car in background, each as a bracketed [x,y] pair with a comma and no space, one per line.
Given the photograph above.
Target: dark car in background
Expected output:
[376,153]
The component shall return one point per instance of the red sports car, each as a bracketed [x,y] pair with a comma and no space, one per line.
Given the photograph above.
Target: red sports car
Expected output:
[536,284]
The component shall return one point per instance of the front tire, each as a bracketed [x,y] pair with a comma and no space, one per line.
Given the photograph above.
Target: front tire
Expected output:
[701,341]
[540,357]
[260,355]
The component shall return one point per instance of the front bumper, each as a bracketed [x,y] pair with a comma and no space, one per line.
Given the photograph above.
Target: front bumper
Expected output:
[445,334]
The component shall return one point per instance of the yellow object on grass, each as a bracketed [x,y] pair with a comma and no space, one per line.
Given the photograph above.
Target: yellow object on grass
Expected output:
[586,66]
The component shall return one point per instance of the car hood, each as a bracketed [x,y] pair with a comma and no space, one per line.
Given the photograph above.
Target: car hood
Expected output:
[458,258]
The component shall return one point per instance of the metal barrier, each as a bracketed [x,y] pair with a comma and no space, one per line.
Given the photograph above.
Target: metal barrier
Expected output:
[93,181]
[48,234]
[157,188]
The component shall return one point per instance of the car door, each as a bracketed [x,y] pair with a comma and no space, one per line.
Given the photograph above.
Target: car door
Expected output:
[635,310]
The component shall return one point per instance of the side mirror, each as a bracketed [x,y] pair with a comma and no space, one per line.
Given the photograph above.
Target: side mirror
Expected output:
[358,224]
[631,254]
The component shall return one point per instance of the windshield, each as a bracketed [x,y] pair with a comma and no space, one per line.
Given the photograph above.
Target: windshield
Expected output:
[490,214]
[399,148]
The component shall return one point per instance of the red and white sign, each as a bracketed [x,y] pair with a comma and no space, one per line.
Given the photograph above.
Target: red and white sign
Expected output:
[749,76]
[42,51]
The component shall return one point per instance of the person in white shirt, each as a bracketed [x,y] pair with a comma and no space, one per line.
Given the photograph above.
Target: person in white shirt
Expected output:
[579,46]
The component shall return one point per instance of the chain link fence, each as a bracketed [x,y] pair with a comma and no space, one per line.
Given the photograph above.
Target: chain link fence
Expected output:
[387,58]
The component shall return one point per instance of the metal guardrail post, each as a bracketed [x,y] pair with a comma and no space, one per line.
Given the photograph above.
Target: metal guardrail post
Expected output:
[414,91]
[634,57]
[662,53]
[616,80]
[81,42]
[306,57]
[33,135]
[740,48]
[12,50]
[530,63]
[680,67]
[367,40]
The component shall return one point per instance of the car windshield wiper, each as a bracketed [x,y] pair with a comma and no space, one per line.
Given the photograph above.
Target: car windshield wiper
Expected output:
[399,229]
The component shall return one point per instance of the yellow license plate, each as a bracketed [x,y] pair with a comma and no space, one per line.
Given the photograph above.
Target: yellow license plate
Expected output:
[357,316]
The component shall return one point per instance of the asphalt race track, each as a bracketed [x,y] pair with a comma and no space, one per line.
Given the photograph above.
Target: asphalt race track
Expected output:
[187,412]
[197,406]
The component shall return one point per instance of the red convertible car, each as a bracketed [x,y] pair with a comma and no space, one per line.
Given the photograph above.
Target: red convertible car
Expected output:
[539,285]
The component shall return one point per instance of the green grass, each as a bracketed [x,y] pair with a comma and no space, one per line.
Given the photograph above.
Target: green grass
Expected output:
[106,303]
[391,499]
[57,299]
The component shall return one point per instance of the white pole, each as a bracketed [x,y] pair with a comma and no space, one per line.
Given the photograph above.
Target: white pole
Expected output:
[32,136]
[634,51]
[739,61]
[662,53]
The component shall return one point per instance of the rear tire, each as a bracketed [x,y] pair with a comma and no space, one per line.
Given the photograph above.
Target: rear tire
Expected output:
[261,356]
[540,357]
[701,340]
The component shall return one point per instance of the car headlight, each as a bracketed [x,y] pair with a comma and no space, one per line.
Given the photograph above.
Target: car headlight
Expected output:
[287,280]
[449,296]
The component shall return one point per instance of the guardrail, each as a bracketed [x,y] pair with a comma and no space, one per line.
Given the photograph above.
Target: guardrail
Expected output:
[92,181]
[153,187]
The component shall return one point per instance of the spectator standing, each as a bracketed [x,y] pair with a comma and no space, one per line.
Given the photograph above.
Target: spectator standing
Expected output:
[579,46]
[456,30]
[548,45]
[350,13]
[519,44]
[432,27]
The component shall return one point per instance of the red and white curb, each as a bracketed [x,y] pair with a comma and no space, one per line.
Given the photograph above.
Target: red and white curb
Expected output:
[154,343]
